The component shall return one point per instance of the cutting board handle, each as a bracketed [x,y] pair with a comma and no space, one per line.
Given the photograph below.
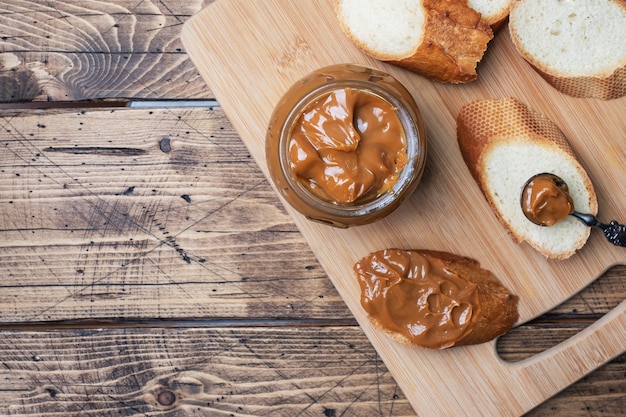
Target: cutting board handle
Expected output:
[575,357]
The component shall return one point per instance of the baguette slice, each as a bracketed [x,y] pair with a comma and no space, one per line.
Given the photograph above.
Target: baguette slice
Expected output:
[440,39]
[435,289]
[493,12]
[503,144]
[577,46]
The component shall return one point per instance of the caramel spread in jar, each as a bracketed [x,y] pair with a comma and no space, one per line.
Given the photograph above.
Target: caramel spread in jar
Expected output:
[348,145]
[545,200]
[416,296]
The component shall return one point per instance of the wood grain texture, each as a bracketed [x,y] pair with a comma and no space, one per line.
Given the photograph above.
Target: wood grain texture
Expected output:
[145,222]
[219,372]
[275,30]
[318,372]
[87,50]
[573,315]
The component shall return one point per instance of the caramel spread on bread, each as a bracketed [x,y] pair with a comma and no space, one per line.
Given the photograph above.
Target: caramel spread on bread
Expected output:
[348,145]
[503,143]
[433,299]
[546,200]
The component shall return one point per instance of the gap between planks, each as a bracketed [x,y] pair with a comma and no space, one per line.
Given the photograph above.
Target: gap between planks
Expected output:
[178,323]
[135,104]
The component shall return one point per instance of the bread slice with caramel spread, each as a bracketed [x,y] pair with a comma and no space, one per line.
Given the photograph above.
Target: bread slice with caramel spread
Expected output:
[440,39]
[434,299]
[504,144]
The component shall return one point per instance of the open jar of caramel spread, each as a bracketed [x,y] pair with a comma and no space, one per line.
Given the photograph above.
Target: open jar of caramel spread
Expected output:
[346,145]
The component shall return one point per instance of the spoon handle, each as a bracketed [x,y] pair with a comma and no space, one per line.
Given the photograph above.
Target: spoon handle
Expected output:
[588,219]
[614,232]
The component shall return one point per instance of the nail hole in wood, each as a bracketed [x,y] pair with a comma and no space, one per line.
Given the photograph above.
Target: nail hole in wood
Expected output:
[166,397]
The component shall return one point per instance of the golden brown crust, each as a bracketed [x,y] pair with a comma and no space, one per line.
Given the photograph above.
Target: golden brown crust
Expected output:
[499,24]
[497,307]
[604,88]
[454,42]
[481,121]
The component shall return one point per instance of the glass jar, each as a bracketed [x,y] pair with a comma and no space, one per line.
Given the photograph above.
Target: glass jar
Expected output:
[311,90]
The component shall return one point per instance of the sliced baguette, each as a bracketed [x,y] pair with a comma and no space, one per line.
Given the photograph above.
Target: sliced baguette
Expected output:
[440,39]
[492,312]
[577,46]
[503,144]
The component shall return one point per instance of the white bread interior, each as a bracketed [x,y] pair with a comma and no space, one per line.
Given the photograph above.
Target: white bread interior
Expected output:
[441,40]
[494,12]
[579,46]
[391,29]
[507,164]
[504,144]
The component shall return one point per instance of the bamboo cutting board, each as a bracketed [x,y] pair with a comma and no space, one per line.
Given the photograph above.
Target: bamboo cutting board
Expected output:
[251,52]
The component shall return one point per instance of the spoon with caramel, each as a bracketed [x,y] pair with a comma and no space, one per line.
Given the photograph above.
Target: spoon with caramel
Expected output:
[546,200]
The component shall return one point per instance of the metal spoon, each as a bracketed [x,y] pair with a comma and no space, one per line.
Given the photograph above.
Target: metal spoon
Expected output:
[614,232]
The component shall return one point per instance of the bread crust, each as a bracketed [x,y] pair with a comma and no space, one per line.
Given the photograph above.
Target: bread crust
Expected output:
[483,122]
[454,41]
[602,86]
[496,307]
[499,23]
[605,88]
[473,138]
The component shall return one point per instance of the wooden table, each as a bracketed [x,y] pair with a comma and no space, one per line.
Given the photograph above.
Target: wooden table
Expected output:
[146,265]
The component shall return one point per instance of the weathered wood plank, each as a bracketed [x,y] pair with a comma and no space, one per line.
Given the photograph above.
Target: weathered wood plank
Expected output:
[151,213]
[85,50]
[229,371]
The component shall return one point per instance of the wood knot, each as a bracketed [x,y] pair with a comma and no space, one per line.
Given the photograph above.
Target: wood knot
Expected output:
[165,145]
[166,398]
[18,84]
